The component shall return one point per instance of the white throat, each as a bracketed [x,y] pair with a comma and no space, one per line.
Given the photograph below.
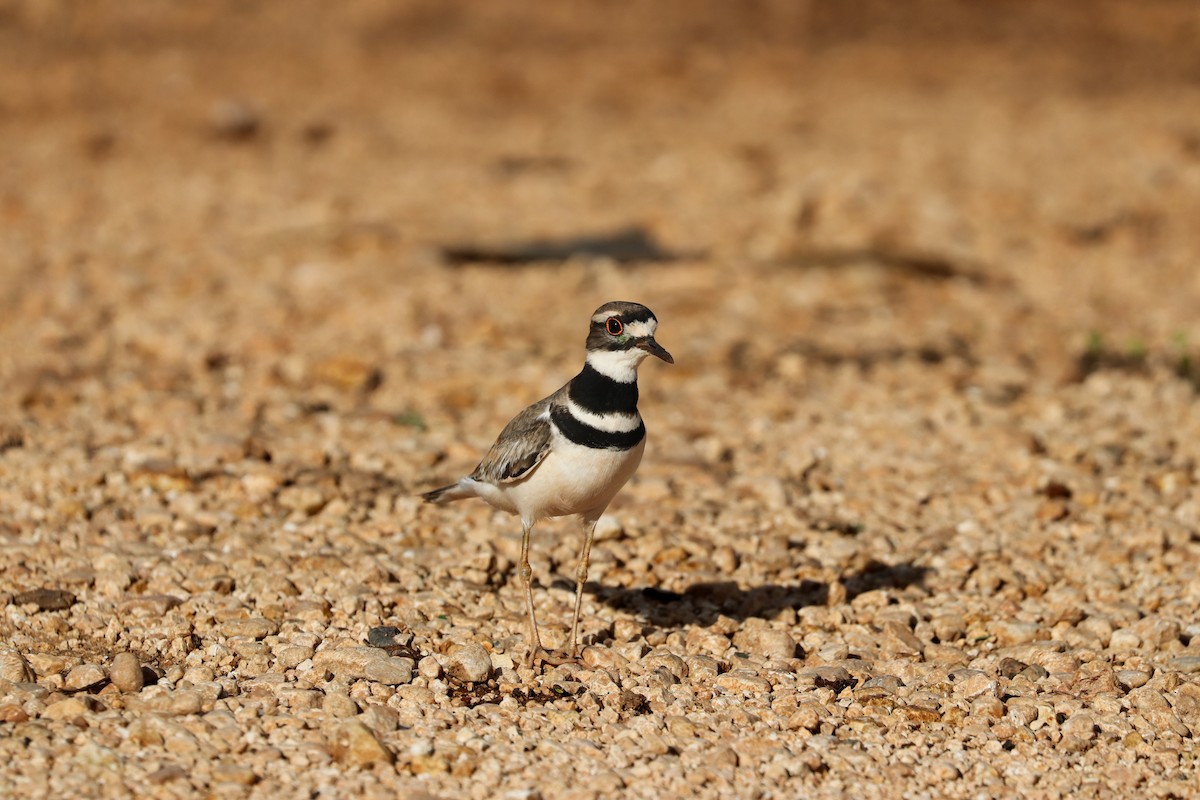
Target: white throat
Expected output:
[620,365]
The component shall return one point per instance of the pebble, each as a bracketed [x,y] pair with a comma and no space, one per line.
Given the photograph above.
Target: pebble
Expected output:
[1081,725]
[832,677]
[85,676]
[833,652]
[166,774]
[756,749]
[238,774]
[704,641]
[702,669]
[807,716]
[885,683]
[389,636]
[598,657]
[1124,640]
[198,675]
[338,704]
[502,661]
[469,663]
[608,528]
[292,656]
[1188,665]
[125,673]
[1156,632]
[948,627]
[1187,702]
[69,708]
[261,485]
[945,654]
[176,702]
[1132,678]
[1052,511]
[45,664]
[358,746]
[428,765]
[896,639]
[1153,706]
[744,681]
[46,599]
[681,727]
[1010,667]
[250,628]
[12,713]
[307,500]
[627,701]
[1033,672]
[667,660]
[1023,713]
[942,771]
[724,757]
[371,663]
[766,642]
[1011,632]
[971,683]
[380,718]
[416,696]
[151,605]
[987,705]
[1098,626]
[429,668]
[14,667]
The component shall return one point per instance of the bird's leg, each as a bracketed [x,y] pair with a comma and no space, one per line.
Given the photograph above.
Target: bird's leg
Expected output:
[535,641]
[581,573]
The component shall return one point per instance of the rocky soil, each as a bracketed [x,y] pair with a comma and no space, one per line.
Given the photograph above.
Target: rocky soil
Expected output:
[920,510]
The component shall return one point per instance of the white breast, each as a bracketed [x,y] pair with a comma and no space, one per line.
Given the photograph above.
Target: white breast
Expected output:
[573,479]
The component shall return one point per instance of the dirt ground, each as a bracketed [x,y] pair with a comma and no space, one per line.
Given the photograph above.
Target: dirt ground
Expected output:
[919,514]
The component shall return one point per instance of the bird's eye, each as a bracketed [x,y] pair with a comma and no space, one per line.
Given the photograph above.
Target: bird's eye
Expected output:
[613,326]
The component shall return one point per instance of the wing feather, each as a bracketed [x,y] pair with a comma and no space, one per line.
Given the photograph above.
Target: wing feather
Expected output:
[521,446]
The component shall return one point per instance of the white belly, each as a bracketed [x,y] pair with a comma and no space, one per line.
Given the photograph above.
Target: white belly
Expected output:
[571,480]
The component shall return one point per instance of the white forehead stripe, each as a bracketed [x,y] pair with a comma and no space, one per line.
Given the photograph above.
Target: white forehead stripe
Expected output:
[640,329]
[603,316]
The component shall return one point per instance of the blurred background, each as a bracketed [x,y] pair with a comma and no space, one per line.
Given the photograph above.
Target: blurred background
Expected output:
[324,194]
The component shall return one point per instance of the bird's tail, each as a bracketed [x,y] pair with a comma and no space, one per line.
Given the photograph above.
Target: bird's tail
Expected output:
[448,494]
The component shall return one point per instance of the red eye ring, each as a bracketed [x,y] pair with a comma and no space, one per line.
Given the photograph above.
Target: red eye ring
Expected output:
[613,326]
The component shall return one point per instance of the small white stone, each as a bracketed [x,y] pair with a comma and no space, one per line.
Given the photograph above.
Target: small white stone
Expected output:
[470,663]
[1124,640]
[428,667]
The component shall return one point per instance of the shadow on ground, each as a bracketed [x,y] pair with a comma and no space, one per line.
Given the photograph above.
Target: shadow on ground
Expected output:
[702,603]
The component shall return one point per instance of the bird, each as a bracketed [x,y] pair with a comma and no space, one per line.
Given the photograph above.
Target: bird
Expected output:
[570,453]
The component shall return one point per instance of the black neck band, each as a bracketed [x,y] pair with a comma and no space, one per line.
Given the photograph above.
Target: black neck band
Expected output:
[584,434]
[600,394]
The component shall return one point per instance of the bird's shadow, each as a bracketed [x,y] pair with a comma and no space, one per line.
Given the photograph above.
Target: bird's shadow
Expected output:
[703,603]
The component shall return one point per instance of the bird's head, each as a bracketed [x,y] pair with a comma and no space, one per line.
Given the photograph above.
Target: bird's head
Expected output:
[620,338]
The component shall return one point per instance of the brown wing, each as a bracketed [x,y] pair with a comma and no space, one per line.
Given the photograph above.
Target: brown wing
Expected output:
[522,445]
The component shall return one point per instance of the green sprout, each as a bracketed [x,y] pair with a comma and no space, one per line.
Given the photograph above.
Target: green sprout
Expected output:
[409,419]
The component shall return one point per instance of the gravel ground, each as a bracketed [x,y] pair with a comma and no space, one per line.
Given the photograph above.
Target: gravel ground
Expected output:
[919,515]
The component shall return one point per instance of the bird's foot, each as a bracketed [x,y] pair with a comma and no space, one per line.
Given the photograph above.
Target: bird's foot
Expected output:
[540,655]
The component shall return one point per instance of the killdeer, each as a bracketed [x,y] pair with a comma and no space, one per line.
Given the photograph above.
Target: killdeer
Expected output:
[571,452]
